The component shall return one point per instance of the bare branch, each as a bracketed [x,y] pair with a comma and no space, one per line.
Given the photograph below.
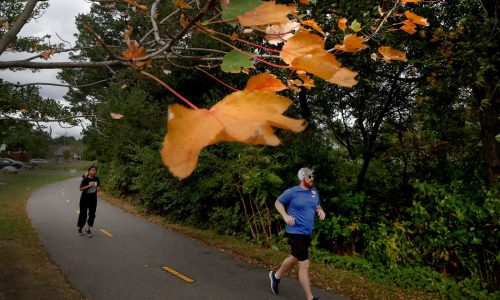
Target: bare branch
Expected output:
[46,119]
[52,84]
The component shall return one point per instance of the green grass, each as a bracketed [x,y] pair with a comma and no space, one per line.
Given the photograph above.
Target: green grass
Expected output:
[27,272]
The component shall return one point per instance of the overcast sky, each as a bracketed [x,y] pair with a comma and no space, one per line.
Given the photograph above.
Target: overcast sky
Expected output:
[58,18]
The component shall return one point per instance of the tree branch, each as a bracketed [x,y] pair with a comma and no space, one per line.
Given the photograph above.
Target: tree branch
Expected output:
[18,25]
[52,84]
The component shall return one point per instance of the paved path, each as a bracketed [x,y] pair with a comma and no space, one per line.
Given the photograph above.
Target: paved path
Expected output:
[130,263]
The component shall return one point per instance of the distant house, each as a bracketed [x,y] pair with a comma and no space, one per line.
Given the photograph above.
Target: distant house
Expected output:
[62,153]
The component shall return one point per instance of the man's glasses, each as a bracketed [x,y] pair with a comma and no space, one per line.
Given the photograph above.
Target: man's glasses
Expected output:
[310,177]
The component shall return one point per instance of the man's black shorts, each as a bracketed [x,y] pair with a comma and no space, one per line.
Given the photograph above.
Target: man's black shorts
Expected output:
[300,245]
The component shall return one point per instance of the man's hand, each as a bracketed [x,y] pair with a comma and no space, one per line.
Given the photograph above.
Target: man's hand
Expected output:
[289,220]
[321,214]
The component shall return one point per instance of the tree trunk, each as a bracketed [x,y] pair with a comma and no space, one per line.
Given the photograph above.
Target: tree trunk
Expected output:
[490,127]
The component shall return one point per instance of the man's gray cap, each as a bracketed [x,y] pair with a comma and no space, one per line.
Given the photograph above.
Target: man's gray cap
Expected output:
[304,172]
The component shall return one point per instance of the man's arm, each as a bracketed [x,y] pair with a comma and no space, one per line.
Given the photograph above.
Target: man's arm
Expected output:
[281,209]
[320,212]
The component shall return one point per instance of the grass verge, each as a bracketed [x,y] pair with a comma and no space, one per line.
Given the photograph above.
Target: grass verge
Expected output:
[26,272]
[345,282]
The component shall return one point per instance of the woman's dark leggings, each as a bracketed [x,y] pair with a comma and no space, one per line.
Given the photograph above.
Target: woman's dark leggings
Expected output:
[89,203]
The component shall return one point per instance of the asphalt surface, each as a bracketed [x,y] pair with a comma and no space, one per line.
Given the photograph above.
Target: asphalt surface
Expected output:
[129,257]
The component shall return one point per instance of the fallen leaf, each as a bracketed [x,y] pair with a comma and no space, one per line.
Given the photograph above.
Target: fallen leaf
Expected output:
[264,82]
[352,43]
[267,13]
[390,54]
[276,34]
[416,18]
[243,116]
[408,26]
[314,25]
[342,23]
[411,1]
[23,110]
[116,116]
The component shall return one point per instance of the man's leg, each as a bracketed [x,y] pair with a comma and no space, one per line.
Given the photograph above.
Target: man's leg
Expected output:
[304,278]
[286,265]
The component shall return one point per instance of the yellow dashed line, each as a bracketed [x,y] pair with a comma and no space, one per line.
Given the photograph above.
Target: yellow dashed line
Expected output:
[175,273]
[106,232]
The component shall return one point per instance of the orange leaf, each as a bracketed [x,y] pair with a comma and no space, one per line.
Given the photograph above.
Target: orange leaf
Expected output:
[243,116]
[299,45]
[47,54]
[307,81]
[135,3]
[184,21]
[352,43]
[411,1]
[136,53]
[305,1]
[264,82]
[181,4]
[416,18]
[408,26]
[276,34]
[390,54]
[313,24]
[324,65]
[267,13]
[342,23]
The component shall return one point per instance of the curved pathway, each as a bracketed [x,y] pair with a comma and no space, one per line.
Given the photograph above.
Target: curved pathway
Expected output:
[129,257]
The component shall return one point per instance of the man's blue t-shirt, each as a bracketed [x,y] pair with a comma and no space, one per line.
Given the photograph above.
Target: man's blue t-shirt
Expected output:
[301,204]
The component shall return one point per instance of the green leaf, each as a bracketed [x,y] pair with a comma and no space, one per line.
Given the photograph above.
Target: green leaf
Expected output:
[237,8]
[234,61]
[497,137]
[355,26]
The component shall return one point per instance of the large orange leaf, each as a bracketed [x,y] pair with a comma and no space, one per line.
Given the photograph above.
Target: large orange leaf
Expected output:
[408,26]
[267,13]
[299,45]
[264,82]
[411,1]
[324,65]
[243,116]
[416,18]
[390,54]
[188,131]
[352,43]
